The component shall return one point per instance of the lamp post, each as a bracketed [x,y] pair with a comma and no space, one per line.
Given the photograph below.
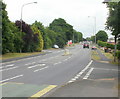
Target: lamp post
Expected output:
[21,16]
[22,11]
[94,26]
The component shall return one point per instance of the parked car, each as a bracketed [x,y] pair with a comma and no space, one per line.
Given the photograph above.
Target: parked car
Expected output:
[56,46]
[86,45]
[94,48]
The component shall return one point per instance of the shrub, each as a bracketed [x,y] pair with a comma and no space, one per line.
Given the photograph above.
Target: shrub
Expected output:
[118,54]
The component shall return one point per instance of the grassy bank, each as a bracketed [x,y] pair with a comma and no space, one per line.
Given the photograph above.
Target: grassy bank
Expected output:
[95,55]
[109,56]
[16,55]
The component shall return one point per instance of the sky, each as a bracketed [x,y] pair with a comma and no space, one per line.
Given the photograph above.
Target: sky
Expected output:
[75,12]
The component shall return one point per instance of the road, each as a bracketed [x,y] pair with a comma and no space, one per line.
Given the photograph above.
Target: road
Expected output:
[54,68]
[41,75]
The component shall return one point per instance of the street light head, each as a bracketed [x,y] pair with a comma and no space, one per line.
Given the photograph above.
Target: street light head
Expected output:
[35,2]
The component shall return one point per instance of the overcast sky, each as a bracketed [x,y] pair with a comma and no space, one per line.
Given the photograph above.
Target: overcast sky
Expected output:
[75,12]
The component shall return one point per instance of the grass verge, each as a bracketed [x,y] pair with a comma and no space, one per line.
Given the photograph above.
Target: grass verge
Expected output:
[95,55]
[109,56]
[16,55]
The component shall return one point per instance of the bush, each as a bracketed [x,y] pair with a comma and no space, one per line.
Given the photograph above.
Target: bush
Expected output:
[118,54]
[118,46]
[105,44]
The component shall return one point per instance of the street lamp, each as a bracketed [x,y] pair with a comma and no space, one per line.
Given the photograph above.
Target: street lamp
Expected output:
[22,10]
[94,25]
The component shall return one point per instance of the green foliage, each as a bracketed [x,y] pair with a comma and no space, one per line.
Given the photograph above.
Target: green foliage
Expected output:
[113,20]
[118,54]
[51,38]
[17,35]
[88,38]
[93,38]
[105,44]
[77,36]
[64,31]
[102,36]
[7,35]
[38,40]
[101,43]
[118,46]
[34,37]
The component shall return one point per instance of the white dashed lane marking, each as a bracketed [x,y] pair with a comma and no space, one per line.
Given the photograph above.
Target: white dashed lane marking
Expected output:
[8,68]
[11,78]
[41,69]
[36,66]
[30,63]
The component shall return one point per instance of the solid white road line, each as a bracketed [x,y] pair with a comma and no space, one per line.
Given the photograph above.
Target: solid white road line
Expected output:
[88,74]
[11,78]
[107,69]
[41,69]
[8,68]
[36,65]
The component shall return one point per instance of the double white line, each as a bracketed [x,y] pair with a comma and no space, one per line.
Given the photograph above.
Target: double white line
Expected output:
[80,73]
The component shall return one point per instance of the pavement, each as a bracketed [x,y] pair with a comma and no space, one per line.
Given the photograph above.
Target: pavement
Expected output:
[99,80]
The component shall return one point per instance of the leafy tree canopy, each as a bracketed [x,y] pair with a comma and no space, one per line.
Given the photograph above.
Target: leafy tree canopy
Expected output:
[102,36]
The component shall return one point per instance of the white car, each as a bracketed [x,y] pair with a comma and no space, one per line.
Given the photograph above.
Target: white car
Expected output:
[56,46]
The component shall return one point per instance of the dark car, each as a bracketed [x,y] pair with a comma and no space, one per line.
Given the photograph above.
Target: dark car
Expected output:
[86,45]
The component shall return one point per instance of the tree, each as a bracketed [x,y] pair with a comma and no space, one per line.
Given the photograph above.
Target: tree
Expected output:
[38,40]
[7,35]
[28,37]
[18,35]
[51,37]
[88,38]
[102,36]
[63,30]
[77,36]
[113,20]
[93,39]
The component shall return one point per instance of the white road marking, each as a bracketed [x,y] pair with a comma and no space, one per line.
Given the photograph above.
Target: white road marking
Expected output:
[8,68]
[30,63]
[11,78]
[41,69]
[73,79]
[70,81]
[107,69]
[57,63]
[88,74]
[80,73]
[36,65]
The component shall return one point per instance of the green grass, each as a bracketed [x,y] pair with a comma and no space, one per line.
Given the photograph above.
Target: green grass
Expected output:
[15,55]
[95,55]
[109,56]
